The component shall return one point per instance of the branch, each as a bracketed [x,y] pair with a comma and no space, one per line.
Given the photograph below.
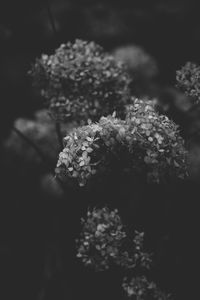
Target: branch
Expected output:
[34,146]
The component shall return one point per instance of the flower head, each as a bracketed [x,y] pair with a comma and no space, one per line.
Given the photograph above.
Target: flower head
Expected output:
[156,141]
[89,149]
[80,82]
[145,144]
[188,80]
[103,240]
[139,288]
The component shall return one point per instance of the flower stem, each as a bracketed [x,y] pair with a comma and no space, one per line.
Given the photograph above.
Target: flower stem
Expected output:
[51,18]
[34,146]
[59,135]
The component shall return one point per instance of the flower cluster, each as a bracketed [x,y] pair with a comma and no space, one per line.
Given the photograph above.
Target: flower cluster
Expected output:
[103,239]
[89,150]
[41,131]
[145,144]
[103,244]
[156,141]
[80,82]
[140,259]
[188,80]
[139,288]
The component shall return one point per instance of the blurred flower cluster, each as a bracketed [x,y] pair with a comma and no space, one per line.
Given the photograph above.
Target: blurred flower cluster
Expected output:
[102,242]
[138,62]
[145,144]
[80,82]
[139,288]
[141,67]
[188,81]
[41,131]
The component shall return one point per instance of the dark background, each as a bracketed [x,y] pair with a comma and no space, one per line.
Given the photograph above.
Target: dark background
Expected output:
[170,32]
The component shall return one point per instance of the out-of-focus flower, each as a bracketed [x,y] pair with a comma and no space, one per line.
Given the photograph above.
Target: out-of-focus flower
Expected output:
[80,82]
[188,81]
[102,242]
[173,100]
[138,62]
[139,288]
[145,144]
[41,131]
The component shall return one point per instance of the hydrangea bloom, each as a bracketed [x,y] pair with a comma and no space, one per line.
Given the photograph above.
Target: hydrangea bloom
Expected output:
[139,288]
[102,242]
[144,144]
[157,141]
[88,149]
[140,259]
[81,82]
[188,80]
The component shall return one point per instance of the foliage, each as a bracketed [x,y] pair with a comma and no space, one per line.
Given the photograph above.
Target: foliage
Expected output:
[188,80]
[103,240]
[145,144]
[80,82]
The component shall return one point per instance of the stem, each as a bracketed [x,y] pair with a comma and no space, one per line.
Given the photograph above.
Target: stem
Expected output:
[51,269]
[53,25]
[60,140]
[48,275]
[59,135]
[40,154]
[34,146]
[51,18]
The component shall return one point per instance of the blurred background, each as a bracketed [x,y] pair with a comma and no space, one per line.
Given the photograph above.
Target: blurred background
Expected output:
[167,31]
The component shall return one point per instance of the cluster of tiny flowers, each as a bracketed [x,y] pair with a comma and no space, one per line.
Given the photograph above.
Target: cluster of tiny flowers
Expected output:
[102,242]
[188,80]
[80,82]
[101,238]
[138,62]
[88,149]
[155,140]
[140,258]
[41,131]
[139,288]
[145,143]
